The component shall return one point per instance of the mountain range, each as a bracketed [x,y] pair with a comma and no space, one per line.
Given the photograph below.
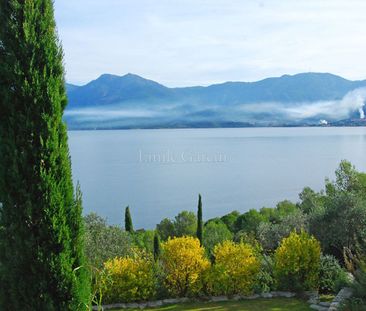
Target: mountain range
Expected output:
[131,101]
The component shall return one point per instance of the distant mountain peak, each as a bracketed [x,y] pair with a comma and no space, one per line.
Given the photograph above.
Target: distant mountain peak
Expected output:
[106,76]
[111,89]
[129,77]
[314,75]
[132,75]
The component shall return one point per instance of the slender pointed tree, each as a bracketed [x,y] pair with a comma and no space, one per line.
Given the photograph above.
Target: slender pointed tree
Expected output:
[156,246]
[128,220]
[41,250]
[199,220]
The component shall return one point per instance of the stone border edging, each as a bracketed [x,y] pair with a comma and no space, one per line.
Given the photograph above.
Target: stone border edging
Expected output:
[343,294]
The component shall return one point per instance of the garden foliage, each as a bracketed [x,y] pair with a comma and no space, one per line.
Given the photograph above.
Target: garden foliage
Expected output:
[297,262]
[183,261]
[235,269]
[129,279]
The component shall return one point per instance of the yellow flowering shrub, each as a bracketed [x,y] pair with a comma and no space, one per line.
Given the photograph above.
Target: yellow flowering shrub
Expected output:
[129,279]
[297,262]
[235,269]
[183,262]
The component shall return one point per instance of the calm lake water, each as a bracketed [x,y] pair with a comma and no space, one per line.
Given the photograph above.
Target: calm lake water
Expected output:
[160,172]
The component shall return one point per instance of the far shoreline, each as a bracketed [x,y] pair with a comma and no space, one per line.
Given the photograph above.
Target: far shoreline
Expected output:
[211,127]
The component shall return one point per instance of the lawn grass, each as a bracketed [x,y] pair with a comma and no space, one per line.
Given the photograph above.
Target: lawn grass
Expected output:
[275,304]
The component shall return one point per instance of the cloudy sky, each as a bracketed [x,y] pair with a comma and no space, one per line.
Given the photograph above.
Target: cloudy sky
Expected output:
[200,42]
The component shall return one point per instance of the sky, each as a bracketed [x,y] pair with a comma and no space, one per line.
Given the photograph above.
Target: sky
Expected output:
[201,42]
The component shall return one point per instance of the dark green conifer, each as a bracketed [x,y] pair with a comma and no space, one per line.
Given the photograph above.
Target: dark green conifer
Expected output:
[156,246]
[41,250]
[128,220]
[199,220]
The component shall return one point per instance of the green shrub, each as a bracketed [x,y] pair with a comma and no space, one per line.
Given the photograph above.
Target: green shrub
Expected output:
[340,223]
[360,282]
[353,304]
[270,235]
[144,239]
[212,280]
[331,275]
[215,233]
[249,221]
[297,262]
[104,242]
[184,224]
[265,280]
[230,219]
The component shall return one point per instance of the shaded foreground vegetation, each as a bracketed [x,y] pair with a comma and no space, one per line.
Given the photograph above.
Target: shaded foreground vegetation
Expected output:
[42,264]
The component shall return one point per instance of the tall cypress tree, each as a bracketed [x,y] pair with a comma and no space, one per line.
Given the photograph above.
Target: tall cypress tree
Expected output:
[41,250]
[199,220]
[156,246]
[128,220]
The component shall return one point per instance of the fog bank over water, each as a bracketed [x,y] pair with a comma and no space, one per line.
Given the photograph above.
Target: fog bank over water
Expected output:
[353,101]
[265,113]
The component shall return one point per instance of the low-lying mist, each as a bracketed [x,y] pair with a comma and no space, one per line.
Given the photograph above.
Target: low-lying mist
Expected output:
[140,114]
[346,107]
